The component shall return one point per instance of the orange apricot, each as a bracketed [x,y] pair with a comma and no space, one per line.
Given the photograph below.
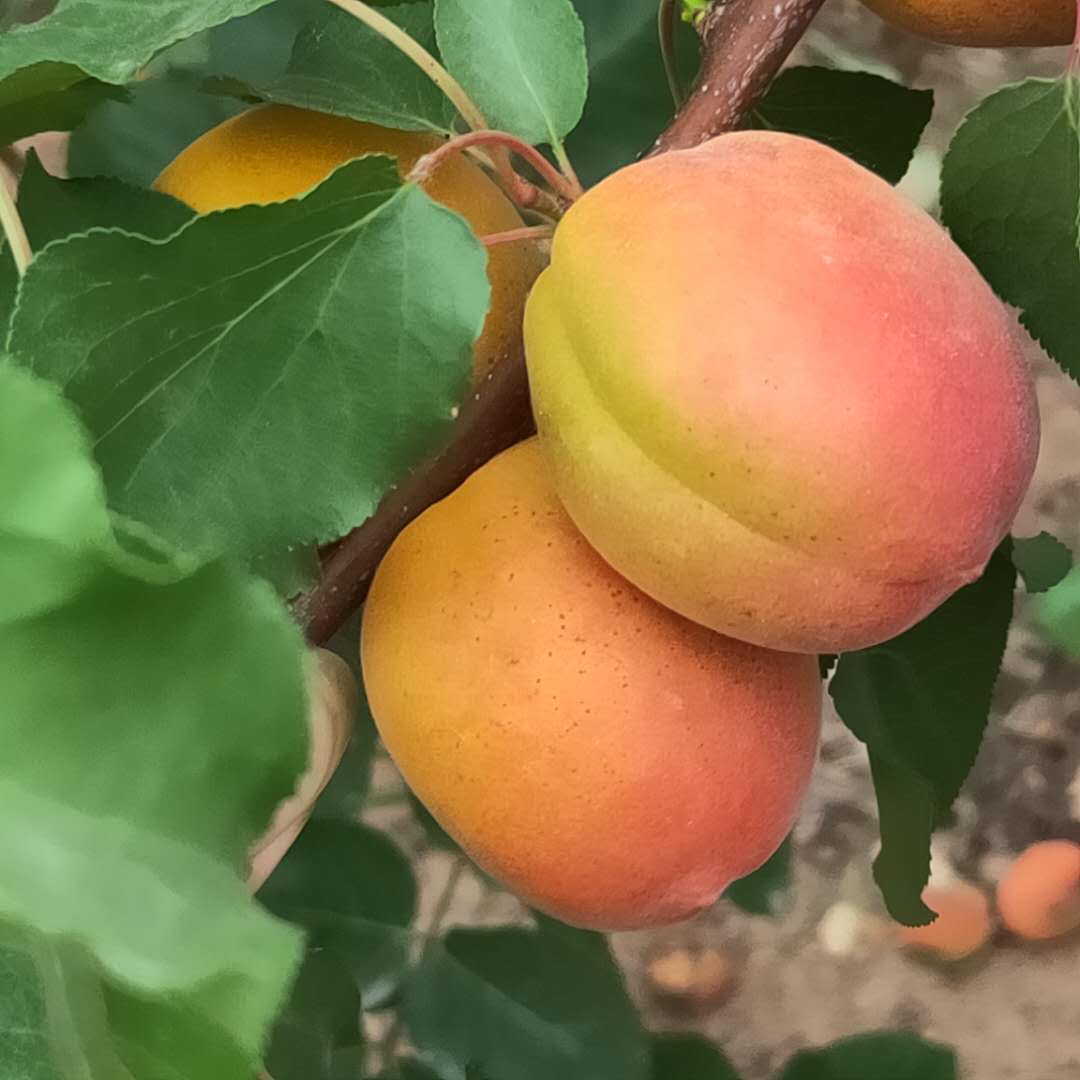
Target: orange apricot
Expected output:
[983,22]
[612,763]
[1038,898]
[963,925]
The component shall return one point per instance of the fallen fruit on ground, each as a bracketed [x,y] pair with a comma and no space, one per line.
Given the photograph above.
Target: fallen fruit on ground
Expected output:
[614,764]
[1038,898]
[963,927]
[276,152]
[775,395]
[989,23]
[332,704]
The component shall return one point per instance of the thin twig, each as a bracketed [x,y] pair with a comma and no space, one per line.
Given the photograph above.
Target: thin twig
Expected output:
[14,229]
[497,414]
[561,184]
[416,52]
[666,31]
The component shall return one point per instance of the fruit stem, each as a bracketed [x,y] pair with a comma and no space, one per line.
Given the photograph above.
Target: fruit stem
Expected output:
[528,195]
[511,236]
[13,228]
[391,32]
[666,31]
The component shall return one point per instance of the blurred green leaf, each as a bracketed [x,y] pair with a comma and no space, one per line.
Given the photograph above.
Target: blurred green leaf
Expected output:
[688,1057]
[1043,561]
[354,891]
[1058,612]
[341,66]
[526,1005]
[271,394]
[765,891]
[885,1056]
[1011,198]
[872,120]
[523,65]
[321,1016]
[629,102]
[920,702]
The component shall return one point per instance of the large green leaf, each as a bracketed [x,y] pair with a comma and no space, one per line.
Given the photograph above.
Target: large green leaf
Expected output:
[524,65]
[341,66]
[55,110]
[1011,197]
[354,891]
[1043,561]
[25,1052]
[875,121]
[261,378]
[120,779]
[526,1006]
[920,703]
[884,1056]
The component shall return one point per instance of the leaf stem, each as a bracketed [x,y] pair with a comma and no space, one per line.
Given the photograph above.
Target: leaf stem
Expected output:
[391,32]
[569,189]
[512,236]
[13,228]
[666,31]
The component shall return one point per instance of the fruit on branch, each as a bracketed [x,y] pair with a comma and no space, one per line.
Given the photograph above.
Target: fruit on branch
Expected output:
[276,152]
[990,23]
[963,926]
[613,763]
[1039,896]
[332,705]
[775,395]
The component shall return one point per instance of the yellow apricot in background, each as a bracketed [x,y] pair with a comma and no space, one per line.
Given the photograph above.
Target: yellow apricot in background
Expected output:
[275,152]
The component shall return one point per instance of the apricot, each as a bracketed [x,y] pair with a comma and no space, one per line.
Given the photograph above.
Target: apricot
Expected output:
[276,152]
[963,926]
[991,23]
[775,395]
[1039,896]
[612,763]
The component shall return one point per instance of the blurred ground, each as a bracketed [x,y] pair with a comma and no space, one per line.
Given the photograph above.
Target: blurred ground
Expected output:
[825,969]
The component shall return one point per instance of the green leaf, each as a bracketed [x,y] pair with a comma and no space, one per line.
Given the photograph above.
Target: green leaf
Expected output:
[629,102]
[52,501]
[765,891]
[884,1056]
[876,122]
[263,377]
[1043,561]
[526,1006]
[55,110]
[1011,197]
[109,40]
[524,65]
[920,703]
[1058,612]
[52,209]
[688,1057]
[321,1016]
[134,140]
[25,1052]
[339,65]
[354,891]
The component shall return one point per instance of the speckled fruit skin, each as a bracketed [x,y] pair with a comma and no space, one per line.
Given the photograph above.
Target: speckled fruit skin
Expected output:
[614,764]
[276,152]
[1039,896]
[989,23]
[775,395]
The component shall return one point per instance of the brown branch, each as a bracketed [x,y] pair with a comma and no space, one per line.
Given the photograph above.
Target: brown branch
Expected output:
[745,44]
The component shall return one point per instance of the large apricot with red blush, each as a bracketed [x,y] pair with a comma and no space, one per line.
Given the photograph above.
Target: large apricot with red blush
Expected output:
[775,395]
[613,763]
[276,152]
